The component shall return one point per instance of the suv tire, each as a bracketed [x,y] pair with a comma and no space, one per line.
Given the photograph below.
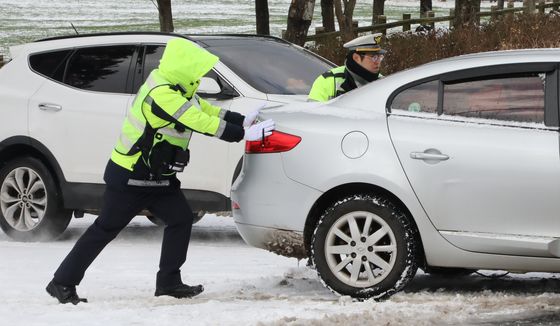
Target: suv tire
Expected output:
[30,203]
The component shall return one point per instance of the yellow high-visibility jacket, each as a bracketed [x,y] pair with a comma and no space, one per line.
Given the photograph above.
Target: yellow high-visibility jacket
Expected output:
[167,108]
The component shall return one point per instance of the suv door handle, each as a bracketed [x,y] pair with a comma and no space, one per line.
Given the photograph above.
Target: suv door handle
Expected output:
[50,107]
[429,156]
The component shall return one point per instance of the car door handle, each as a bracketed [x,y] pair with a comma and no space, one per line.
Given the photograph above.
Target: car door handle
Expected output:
[50,107]
[429,156]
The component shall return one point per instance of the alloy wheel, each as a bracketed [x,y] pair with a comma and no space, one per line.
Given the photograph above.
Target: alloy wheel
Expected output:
[360,249]
[23,199]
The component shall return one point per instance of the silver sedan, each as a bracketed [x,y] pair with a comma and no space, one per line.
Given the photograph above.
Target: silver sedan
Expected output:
[451,167]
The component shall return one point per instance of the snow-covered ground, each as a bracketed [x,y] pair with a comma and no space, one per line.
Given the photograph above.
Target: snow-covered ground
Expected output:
[247,286]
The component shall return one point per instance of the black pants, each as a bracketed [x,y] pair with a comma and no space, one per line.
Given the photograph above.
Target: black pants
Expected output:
[119,207]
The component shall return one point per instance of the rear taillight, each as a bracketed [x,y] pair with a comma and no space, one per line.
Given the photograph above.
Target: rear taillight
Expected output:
[275,143]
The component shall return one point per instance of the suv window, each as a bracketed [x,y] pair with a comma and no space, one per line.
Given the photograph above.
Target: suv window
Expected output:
[50,64]
[101,69]
[419,98]
[270,66]
[152,55]
[518,98]
[151,59]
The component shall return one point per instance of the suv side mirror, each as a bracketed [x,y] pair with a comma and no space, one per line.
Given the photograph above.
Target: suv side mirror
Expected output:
[209,86]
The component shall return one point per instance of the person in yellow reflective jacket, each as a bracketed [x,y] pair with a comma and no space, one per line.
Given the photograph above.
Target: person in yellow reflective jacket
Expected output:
[361,66]
[141,174]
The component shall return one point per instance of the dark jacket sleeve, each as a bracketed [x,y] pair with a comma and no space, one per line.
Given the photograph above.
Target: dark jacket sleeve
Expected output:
[234,117]
[233,132]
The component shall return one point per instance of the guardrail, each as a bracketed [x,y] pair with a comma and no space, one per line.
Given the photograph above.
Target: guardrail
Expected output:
[406,22]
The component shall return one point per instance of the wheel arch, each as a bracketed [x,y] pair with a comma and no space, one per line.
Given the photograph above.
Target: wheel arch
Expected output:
[348,189]
[19,146]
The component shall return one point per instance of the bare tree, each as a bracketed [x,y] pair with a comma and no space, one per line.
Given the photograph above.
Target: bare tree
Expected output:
[327,13]
[344,18]
[263,20]
[500,4]
[425,6]
[465,12]
[165,16]
[378,9]
[300,15]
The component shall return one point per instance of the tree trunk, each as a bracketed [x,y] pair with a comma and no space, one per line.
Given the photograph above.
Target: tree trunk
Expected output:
[165,16]
[344,18]
[327,13]
[263,22]
[500,4]
[425,6]
[299,19]
[465,12]
[378,10]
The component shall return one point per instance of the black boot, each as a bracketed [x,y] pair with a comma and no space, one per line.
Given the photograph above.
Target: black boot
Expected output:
[63,293]
[180,291]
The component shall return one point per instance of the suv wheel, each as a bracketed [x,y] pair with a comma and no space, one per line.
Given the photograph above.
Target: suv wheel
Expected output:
[30,205]
[364,247]
[156,220]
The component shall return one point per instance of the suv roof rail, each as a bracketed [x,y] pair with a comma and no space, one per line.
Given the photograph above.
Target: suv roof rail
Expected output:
[239,35]
[108,34]
[187,36]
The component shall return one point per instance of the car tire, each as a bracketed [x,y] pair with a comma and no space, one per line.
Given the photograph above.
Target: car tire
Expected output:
[448,271]
[155,220]
[197,217]
[387,259]
[30,203]
[237,171]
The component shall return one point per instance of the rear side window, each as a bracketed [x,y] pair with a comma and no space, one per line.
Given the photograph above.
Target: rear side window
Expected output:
[419,98]
[517,98]
[50,64]
[101,69]
[151,59]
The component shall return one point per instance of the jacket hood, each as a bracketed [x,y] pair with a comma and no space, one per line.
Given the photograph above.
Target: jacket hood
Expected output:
[184,63]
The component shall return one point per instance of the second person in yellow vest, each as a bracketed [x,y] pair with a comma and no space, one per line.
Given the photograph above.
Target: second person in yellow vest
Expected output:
[361,66]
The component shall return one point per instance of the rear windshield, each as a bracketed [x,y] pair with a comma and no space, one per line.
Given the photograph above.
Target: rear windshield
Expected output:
[270,66]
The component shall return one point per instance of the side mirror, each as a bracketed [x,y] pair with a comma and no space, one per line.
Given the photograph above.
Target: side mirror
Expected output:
[208,86]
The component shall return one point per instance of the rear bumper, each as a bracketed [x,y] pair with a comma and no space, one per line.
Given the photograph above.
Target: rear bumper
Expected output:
[272,207]
[281,242]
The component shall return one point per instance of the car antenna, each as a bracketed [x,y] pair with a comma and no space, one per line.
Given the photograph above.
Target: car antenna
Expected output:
[75,30]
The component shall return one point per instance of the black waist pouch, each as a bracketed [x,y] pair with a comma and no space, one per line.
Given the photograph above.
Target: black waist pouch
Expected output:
[166,159]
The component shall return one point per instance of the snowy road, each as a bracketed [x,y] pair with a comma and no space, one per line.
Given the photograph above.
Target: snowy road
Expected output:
[247,286]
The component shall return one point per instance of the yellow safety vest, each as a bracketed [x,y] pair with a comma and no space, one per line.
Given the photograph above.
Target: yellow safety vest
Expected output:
[328,85]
